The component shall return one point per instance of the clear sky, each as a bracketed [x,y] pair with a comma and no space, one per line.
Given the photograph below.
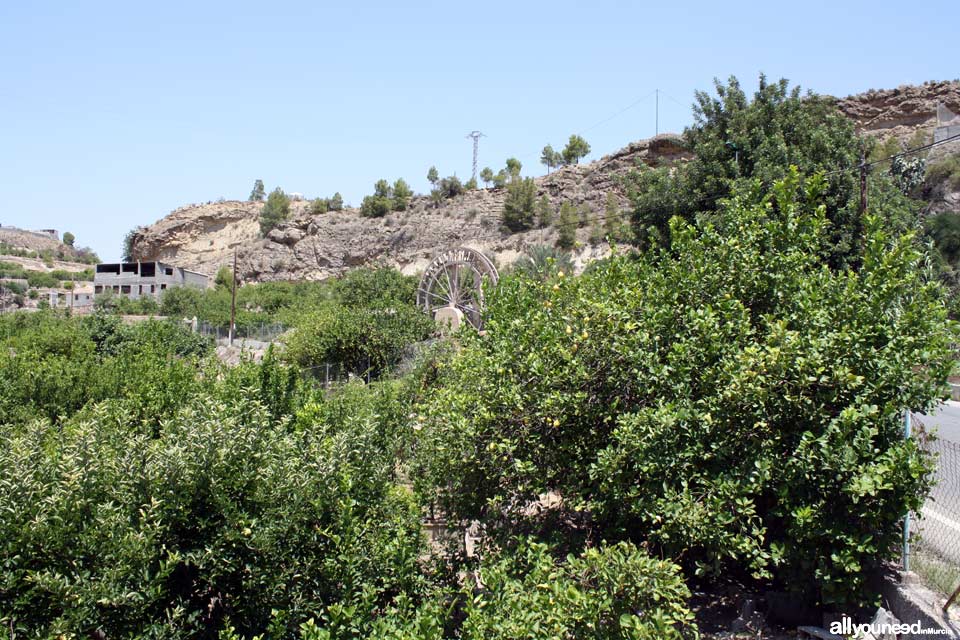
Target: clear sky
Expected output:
[114,113]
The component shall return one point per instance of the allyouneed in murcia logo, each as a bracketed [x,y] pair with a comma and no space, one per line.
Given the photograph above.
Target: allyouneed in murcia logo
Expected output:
[846,627]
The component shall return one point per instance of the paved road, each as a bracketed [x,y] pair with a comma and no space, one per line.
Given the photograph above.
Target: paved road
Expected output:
[940,525]
[946,419]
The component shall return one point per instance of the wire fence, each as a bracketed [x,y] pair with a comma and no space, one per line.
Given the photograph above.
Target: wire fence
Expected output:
[935,546]
[262,332]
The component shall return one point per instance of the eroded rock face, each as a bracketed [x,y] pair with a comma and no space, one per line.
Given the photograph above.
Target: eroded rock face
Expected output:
[204,237]
[901,112]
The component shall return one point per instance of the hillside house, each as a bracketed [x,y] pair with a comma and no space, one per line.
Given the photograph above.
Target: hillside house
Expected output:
[136,279]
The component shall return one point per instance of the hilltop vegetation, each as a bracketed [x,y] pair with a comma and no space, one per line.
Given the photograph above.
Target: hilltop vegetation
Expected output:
[720,402]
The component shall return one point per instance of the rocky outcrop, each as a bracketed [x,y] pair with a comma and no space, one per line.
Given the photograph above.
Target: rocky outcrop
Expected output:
[307,246]
[204,237]
[903,111]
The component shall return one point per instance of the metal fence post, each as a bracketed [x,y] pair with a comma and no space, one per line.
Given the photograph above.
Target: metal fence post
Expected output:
[906,519]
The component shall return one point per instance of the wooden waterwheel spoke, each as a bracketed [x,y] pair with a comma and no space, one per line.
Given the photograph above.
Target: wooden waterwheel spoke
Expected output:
[455,279]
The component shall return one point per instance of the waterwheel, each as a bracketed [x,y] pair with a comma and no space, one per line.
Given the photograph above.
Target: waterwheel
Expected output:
[452,285]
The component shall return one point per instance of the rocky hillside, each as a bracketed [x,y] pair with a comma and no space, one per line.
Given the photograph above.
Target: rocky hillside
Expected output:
[204,237]
[903,111]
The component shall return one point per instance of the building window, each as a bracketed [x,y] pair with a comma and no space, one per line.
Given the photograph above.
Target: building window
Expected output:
[162,287]
[153,288]
[125,288]
[98,288]
[168,271]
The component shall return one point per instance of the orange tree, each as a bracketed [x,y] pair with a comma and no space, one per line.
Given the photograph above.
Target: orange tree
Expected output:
[732,401]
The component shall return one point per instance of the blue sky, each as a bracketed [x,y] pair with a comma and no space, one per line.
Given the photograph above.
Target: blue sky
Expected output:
[113,114]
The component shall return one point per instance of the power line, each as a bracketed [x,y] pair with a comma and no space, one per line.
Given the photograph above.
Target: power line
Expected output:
[916,150]
[906,152]
[618,113]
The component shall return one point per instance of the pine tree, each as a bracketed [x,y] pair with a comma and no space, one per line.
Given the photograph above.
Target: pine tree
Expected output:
[258,193]
[518,208]
[567,226]
[336,202]
[275,210]
[486,175]
[576,149]
[550,158]
[613,226]
[544,212]
[401,195]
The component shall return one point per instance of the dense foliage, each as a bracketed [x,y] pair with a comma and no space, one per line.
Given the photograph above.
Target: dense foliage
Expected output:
[733,402]
[364,327]
[725,402]
[736,140]
[217,510]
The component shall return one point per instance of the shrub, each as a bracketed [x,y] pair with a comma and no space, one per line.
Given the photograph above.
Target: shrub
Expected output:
[733,403]
[113,531]
[612,592]
[401,195]
[275,210]
[518,207]
[945,171]
[361,340]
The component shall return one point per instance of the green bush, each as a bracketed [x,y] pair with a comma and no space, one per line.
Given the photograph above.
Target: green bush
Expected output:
[275,211]
[611,592]
[360,340]
[733,403]
[519,206]
[52,366]
[106,529]
[945,171]
[737,139]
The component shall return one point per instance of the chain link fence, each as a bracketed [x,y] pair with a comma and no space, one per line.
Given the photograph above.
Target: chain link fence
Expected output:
[262,332]
[935,546]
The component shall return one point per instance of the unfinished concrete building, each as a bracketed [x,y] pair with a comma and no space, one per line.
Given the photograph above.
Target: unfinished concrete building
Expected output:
[136,279]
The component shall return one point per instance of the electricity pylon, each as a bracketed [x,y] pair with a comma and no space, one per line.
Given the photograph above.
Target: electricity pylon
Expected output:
[476,135]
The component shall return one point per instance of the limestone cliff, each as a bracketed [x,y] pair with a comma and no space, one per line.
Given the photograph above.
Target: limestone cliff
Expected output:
[204,237]
[903,111]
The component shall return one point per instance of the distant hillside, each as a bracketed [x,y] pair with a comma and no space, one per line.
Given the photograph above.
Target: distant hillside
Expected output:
[901,112]
[204,237]
[41,246]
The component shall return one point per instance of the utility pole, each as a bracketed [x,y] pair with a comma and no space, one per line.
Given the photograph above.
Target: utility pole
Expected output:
[863,180]
[656,128]
[233,300]
[476,135]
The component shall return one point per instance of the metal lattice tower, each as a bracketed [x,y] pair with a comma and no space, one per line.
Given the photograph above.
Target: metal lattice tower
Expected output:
[476,135]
